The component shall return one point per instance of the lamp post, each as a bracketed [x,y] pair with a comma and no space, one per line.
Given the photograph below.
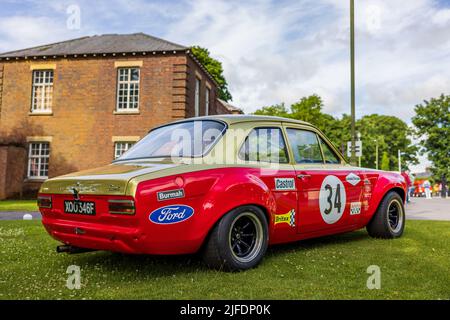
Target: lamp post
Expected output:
[352,77]
[376,153]
[400,160]
[359,156]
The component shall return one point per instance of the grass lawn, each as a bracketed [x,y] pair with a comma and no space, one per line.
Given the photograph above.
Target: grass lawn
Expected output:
[416,266]
[18,205]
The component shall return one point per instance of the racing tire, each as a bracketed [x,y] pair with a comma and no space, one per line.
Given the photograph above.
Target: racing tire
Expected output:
[238,241]
[388,221]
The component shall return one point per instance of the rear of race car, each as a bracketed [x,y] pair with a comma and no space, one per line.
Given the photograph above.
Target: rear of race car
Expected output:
[158,215]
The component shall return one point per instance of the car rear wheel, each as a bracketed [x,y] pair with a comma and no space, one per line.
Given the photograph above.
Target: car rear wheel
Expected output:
[389,220]
[238,241]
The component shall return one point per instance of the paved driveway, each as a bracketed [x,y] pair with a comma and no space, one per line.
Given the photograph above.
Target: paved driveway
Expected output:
[428,209]
[417,209]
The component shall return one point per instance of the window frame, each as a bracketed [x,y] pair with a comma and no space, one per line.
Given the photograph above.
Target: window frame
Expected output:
[319,136]
[127,109]
[207,100]
[321,139]
[43,85]
[288,156]
[198,84]
[128,143]
[39,157]
[292,150]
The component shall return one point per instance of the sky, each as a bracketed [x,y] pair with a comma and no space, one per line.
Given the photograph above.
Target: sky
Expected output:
[274,51]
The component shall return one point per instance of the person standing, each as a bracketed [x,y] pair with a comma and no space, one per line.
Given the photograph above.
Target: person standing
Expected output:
[443,187]
[427,187]
[405,174]
[413,187]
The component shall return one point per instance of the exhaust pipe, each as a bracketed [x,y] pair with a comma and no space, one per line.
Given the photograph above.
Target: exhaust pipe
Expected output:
[71,249]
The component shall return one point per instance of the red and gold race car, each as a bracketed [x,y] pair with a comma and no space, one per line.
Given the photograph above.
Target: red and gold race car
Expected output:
[225,186]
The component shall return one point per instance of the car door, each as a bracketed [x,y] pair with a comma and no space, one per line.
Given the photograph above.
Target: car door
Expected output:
[265,147]
[325,194]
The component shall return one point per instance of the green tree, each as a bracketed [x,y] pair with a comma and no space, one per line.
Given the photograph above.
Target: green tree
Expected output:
[432,122]
[391,133]
[278,110]
[307,109]
[385,161]
[215,68]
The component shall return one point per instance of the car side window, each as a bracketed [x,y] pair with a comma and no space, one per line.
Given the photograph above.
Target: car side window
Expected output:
[265,145]
[305,146]
[329,155]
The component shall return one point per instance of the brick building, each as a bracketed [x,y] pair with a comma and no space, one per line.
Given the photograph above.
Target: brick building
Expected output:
[80,103]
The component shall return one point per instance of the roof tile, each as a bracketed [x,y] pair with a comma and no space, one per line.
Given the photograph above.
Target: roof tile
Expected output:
[98,44]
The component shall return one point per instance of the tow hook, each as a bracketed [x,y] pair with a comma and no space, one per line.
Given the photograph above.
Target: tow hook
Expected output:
[71,249]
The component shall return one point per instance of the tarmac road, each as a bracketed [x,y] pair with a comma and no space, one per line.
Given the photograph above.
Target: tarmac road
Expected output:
[428,209]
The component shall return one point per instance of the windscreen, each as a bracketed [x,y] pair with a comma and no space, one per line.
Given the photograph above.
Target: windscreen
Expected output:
[184,139]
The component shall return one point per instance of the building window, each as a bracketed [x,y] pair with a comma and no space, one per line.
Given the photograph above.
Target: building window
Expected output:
[38,155]
[42,91]
[121,147]
[197,97]
[207,94]
[127,89]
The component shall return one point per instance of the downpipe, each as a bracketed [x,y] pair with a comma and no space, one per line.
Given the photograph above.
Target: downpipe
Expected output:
[71,249]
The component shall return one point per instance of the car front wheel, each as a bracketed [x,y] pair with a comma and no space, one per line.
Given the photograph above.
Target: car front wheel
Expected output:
[389,220]
[238,241]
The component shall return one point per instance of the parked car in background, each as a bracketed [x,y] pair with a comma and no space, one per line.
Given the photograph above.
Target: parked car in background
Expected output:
[419,190]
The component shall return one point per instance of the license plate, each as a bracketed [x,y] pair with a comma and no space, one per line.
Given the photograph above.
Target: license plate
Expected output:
[79,207]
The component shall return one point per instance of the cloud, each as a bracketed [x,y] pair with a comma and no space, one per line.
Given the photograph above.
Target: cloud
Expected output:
[24,31]
[276,51]
[280,51]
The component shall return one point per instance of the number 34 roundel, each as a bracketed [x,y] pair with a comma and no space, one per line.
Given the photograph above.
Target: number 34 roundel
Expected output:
[332,199]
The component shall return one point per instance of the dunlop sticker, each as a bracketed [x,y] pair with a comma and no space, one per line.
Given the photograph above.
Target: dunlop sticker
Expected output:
[355,208]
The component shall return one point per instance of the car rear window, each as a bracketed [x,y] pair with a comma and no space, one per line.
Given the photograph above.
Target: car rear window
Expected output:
[183,139]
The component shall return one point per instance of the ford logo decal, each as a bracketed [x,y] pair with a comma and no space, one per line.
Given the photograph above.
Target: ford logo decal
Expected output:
[171,214]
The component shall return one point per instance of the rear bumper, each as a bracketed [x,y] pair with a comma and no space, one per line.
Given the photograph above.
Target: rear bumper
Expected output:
[130,240]
[95,236]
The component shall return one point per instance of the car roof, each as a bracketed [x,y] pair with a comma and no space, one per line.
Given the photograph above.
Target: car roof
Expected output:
[237,118]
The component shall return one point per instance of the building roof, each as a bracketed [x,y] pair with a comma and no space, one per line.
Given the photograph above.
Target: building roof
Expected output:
[99,44]
[105,44]
[229,107]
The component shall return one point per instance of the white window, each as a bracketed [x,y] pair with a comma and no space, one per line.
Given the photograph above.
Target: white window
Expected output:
[42,91]
[197,97]
[38,155]
[127,89]
[121,147]
[207,93]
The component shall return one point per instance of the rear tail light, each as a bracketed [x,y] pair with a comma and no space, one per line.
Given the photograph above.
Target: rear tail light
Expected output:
[121,207]
[44,201]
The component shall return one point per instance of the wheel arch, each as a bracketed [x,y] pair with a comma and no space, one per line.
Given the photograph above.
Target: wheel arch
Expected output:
[397,189]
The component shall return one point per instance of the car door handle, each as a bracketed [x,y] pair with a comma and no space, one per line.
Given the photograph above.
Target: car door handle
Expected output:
[303,176]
